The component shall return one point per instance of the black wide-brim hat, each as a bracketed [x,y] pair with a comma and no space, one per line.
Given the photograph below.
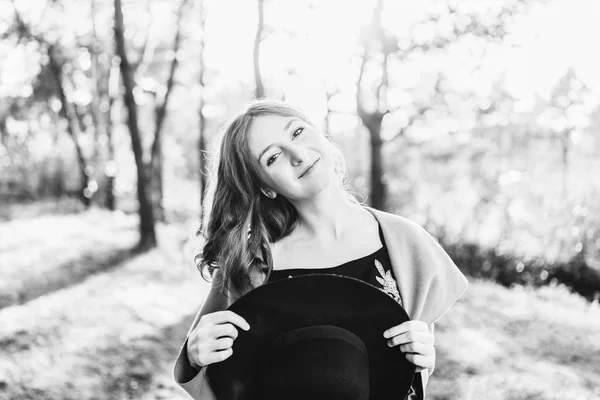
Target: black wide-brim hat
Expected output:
[316,336]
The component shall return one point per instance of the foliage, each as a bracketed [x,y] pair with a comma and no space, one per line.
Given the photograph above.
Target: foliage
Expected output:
[468,145]
[510,269]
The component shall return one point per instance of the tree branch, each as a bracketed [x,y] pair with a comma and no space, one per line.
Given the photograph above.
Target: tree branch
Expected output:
[496,31]
[260,90]
[382,90]
[360,107]
[421,110]
[161,109]
[140,66]
[24,31]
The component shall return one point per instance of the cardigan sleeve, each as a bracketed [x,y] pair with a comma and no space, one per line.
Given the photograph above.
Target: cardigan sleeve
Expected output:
[428,280]
[439,283]
[195,382]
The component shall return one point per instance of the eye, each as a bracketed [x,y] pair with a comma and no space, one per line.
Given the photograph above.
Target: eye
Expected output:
[272,159]
[297,132]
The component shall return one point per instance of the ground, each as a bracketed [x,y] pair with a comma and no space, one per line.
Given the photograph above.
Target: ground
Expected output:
[84,317]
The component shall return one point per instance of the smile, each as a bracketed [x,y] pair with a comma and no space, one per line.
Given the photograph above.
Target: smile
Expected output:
[308,168]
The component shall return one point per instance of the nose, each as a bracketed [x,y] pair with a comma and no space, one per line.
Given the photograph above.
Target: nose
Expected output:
[297,155]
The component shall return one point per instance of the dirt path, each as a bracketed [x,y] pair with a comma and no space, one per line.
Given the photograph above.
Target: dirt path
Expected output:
[112,336]
[115,334]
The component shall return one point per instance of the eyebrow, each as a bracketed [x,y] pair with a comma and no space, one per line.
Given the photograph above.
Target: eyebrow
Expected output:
[285,128]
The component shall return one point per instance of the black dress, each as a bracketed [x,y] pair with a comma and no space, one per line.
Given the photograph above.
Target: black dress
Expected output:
[375,269]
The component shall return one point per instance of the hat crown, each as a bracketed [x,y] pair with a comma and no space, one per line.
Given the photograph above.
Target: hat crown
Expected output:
[317,362]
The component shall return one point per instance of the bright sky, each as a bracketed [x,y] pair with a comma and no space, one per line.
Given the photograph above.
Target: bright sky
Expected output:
[556,37]
[551,38]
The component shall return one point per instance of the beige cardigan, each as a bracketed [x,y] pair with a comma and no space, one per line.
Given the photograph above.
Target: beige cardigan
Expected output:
[428,281]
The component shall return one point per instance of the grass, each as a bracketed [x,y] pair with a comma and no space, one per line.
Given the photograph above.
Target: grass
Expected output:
[114,333]
[40,254]
[519,343]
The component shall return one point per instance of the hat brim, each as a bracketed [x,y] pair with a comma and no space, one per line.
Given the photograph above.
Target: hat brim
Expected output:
[308,300]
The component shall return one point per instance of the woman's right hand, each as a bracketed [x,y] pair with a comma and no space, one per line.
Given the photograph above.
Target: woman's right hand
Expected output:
[212,339]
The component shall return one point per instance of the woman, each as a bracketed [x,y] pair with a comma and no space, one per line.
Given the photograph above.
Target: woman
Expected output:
[278,207]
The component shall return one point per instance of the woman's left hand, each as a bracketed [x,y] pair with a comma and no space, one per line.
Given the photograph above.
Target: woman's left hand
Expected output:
[414,339]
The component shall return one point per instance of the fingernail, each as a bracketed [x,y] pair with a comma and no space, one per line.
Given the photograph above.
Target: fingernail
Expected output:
[386,334]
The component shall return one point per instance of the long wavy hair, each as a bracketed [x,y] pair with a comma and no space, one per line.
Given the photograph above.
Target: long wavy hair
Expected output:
[239,223]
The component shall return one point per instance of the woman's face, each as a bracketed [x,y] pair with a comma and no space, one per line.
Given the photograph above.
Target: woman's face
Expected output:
[293,158]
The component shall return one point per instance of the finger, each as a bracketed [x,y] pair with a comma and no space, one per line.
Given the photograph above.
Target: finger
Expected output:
[225,330]
[218,356]
[412,336]
[416,347]
[227,316]
[406,326]
[223,343]
[419,360]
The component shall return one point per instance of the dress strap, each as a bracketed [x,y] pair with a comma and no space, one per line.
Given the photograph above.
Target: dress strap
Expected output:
[381,235]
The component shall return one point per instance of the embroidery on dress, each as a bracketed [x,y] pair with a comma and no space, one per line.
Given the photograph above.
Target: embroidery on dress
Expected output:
[388,282]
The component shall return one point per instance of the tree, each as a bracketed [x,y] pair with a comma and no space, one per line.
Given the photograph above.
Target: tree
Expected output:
[201,118]
[68,111]
[379,47]
[105,90]
[567,113]
[146,212]
[376,37]
[57,60]
[156,159]
[259,92]
[111,167]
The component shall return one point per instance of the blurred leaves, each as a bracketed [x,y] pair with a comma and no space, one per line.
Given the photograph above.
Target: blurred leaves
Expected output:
[468,145]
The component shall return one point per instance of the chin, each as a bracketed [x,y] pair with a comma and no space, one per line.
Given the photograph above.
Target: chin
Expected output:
[318,184]
[313,185]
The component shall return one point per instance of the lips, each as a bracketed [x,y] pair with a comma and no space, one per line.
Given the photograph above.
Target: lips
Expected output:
[308,168]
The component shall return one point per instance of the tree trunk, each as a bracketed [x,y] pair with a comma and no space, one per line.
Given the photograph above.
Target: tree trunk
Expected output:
[202,150]
[110,170]
[156,156]
[3,133]
[260,90]
[565,145]
[373,119]
[378,189]
[98,76]
[72,125]
[155,171]
[201,119]
[146,213]
[158,169]
[96,113]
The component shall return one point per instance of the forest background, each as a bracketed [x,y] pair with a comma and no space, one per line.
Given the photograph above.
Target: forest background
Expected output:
[479,120]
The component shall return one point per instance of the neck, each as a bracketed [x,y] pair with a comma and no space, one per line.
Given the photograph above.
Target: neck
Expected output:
[324,216]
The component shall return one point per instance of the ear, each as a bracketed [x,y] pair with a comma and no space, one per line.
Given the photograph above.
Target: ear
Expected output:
[269,193]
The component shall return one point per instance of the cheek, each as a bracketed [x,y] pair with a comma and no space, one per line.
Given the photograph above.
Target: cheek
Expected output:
[278,179]
[328,155]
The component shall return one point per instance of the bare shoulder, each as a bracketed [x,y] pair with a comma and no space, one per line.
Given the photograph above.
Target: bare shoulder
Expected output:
[284,248]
